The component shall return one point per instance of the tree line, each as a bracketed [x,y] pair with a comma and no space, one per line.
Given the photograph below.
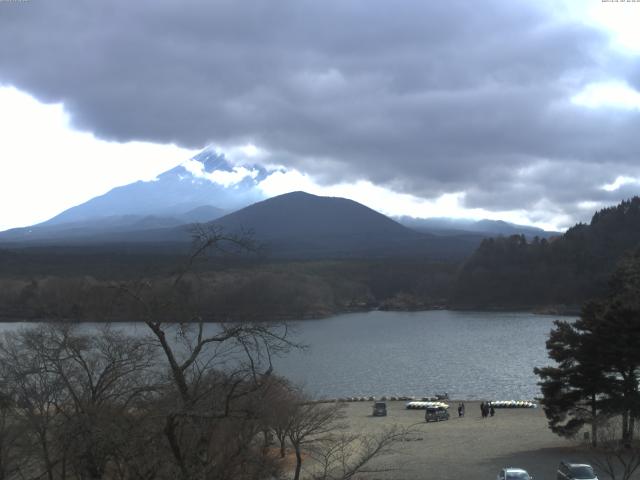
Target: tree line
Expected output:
[512,272]
[278,290]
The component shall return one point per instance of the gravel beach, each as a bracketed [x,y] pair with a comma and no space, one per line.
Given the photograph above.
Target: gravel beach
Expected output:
[468,447]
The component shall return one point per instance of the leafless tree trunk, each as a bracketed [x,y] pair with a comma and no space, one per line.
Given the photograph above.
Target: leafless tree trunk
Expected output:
[312,422]
[215,370]
[616,458]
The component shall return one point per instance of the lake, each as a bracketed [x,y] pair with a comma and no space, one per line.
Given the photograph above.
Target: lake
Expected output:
[470,355]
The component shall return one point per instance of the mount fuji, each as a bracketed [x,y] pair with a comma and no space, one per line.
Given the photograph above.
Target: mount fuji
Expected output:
[201,189]
[208,179]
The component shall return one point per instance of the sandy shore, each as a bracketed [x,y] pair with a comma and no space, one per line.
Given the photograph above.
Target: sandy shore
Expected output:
[469,447]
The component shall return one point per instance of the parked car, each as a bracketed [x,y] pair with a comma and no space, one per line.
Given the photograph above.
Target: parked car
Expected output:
[575,471]
[380,409]
[435,414]
[511,473]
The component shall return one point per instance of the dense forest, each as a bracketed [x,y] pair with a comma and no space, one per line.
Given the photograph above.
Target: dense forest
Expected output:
[82,288]
[511,272]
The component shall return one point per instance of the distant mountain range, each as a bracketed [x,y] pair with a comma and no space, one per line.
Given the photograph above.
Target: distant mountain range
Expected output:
[208,188]
[491,228]
[293,225]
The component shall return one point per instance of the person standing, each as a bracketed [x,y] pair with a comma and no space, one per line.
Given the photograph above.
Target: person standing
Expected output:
[462,406]
[482,409]
[492,411]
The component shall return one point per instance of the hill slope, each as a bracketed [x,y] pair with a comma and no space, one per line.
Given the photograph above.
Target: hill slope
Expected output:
[300,225]
[513,273]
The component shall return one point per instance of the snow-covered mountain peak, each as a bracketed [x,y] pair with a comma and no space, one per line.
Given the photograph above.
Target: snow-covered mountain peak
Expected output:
[207,179]
[214,167]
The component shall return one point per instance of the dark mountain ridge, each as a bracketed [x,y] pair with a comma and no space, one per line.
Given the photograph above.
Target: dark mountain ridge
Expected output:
[299,224]
[298,214]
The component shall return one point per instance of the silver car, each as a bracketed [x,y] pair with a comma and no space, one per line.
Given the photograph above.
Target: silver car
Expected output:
[511,473]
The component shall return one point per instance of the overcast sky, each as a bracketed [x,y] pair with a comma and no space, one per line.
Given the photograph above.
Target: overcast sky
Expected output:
[527,111]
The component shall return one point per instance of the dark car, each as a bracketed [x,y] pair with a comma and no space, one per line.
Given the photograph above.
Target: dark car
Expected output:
[435,414]
[379,409]
[575,471]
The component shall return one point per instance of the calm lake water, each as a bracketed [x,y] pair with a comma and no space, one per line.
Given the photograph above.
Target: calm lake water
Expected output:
[467,354]
[470,355]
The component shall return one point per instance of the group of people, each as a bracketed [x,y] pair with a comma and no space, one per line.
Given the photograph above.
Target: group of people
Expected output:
[486,409]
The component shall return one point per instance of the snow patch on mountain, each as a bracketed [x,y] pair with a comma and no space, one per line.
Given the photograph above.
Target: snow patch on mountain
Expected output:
[226,178]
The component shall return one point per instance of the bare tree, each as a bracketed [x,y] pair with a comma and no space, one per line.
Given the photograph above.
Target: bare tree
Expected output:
[312,422]
[104,375]
[215,371]
[281,404]
[616,458]
[12,435]
[344,456]
[35,392]
[73,393]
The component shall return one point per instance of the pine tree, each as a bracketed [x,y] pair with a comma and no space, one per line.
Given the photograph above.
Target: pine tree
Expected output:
[574,390]
[597,359]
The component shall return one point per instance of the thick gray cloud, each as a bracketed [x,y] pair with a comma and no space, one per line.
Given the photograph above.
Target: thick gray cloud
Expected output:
[424,97]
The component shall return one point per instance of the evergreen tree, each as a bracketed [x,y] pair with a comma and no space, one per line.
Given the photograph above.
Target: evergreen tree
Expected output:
[618,333]
[574,390]
[597,360]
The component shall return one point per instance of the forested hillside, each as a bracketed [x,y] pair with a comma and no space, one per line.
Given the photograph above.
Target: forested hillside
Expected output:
[511,272]
[82,288]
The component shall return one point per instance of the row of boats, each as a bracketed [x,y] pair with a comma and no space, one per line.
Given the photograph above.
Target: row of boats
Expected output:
[417,405]
[513,404]
[425,405]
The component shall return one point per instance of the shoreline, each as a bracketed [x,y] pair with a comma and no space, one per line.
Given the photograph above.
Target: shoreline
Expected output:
[405,399]
[547,311]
